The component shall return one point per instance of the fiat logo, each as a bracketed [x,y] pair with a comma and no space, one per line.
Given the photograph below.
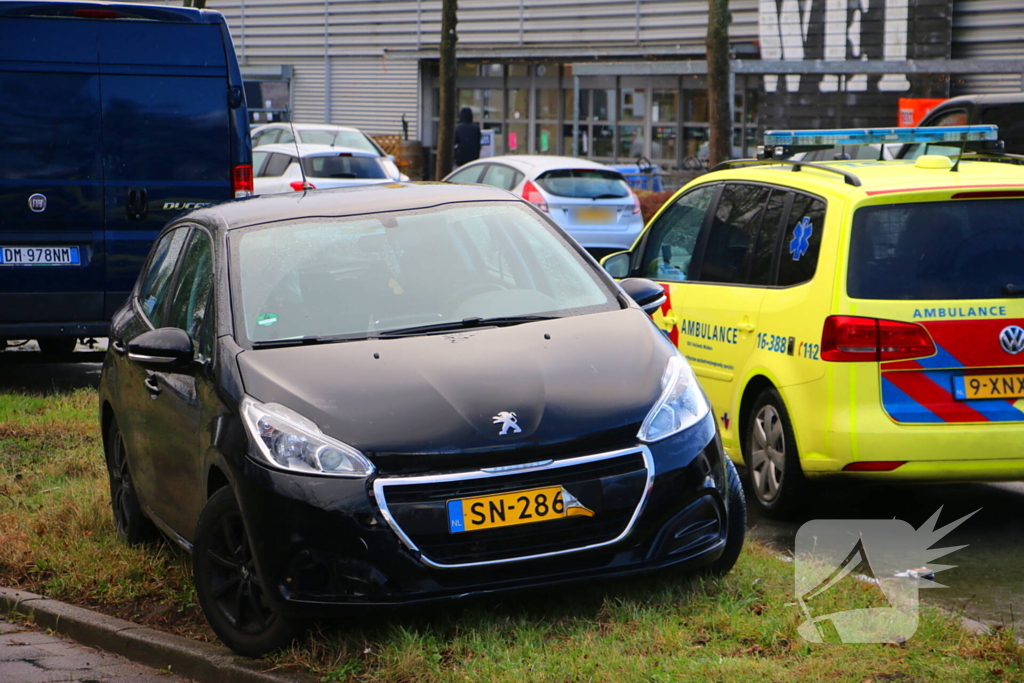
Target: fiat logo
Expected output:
[37,203]
[1012,339]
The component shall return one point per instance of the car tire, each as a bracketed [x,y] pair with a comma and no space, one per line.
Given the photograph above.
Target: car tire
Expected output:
[228,585]
[56,346]
[774,475]
[736,524]
[130,522]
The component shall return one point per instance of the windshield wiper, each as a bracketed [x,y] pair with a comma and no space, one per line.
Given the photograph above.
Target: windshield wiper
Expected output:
[310,340]
[465,324]
[610,196]
[1013,290]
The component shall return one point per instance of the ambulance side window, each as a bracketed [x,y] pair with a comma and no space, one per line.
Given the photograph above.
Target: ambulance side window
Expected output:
[673,237]
[801,241]
[733,235]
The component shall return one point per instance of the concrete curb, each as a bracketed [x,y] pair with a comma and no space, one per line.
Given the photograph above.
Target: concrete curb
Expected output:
[163,651]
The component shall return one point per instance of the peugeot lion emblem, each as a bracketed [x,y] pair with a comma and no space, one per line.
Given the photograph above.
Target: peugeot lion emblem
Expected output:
[1011,339]
[507,421]
[37,203]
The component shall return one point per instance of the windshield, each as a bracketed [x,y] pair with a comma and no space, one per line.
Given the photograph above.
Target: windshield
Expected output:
[342,138]
[584,184]
[971,249]
[343,166]
[359,276]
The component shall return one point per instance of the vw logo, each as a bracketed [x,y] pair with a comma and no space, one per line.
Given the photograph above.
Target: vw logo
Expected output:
[1012,339]
[37,203]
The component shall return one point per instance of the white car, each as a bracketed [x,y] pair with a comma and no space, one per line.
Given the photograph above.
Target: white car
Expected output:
[276,168]
[590,201]
[323,134]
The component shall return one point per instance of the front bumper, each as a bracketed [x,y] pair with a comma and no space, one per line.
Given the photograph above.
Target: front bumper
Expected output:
[324,545]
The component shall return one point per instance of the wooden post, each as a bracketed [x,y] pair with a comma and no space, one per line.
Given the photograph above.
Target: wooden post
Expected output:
[719,106]
[446,119]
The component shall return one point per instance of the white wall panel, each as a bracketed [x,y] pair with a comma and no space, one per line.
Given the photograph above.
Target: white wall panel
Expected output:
[372,94]
[988,29]
[307,91]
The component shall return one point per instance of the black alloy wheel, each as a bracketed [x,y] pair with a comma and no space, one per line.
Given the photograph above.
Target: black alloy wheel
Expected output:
[736,525]
[132,525]
[57,346]
[774,474]
[228,583]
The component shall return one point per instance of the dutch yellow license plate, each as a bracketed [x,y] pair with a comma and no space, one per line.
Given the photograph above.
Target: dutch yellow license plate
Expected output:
[591,215]
[510,509]
[970,387]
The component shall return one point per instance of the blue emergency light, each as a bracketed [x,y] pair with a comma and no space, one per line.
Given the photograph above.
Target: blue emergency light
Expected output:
[836,137]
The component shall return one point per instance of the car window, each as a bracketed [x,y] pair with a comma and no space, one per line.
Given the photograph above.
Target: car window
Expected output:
[733,234]
[673,236]
[356,140]
[317,137]
[950,118]
[157,276]
[266,137]
[286,137]
[501,176]
[763,255]
[947,250]
[1010,119]
[276,165]
[584,183]
[468,175]
[344,166]
[801,241]
[192,292]
[258,160]
[400,269]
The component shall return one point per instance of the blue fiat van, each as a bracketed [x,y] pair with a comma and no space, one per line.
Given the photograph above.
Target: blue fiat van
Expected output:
[114,119]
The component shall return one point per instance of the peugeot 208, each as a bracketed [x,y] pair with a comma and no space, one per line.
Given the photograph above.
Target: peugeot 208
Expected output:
[401,393]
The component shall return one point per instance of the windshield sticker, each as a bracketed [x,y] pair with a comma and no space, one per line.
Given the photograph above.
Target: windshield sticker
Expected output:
[800,243]
[266,319]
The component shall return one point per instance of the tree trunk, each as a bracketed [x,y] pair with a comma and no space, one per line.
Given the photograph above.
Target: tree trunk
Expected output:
[720,129]
[446,119]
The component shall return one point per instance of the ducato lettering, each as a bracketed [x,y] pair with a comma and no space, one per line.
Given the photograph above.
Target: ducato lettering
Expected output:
[170,206]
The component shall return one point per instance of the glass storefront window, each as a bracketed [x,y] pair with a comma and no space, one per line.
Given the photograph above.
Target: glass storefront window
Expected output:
[517,141]
[737,108]
[664,140]
[547,103]
[631,142]
[751,109]
[518,103]
[695,146]
[665,107]
[567,104]
[604,105]
[518,70]
[695,107]
[602,143]
[485,103]
[567,141]
[547,138]
[499,136]
[468,69]
[634,104]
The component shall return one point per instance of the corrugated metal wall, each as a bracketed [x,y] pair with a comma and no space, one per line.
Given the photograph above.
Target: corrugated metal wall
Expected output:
[988,29]
[374,93]
[308,91]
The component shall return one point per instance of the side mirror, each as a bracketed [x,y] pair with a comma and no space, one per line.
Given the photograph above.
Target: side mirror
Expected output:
[647,294]
[167,348]
[617,264]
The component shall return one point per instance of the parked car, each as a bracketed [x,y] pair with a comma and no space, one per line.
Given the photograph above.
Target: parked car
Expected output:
[590,201]
[277,168]
[1005,111]
[97,101]
[324,134]
[859,320]
[400,394]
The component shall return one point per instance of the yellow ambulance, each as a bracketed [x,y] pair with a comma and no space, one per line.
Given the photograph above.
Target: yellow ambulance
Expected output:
[858,318]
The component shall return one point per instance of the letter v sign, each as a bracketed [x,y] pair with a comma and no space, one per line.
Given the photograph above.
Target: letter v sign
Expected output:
[783,32]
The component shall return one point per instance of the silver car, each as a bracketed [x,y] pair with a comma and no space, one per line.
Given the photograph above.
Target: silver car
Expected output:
[590,201]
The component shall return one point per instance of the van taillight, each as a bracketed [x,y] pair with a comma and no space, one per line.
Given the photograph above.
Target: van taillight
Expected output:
[847,338]
[241,180]
[533,195]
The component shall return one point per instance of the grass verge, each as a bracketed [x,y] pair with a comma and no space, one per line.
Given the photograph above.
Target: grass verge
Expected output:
[56,538]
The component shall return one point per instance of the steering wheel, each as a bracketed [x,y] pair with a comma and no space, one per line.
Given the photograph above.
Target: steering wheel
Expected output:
[472,289]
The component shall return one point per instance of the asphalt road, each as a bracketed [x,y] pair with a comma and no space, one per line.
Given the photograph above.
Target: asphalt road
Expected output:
[987,584]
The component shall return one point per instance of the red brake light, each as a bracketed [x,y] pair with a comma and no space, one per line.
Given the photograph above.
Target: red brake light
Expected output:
[96,13]
[874,466]
[848,338]
[241,180]
[299,186]
[533,195]
[636,203]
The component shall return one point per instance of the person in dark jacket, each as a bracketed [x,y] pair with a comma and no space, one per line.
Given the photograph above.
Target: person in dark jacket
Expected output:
[467,138]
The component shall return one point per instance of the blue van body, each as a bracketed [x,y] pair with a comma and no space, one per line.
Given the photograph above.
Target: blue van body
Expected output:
[115,118]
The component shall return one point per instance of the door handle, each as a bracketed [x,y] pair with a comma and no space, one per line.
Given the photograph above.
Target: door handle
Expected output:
[152,386]
[136,205]
[746,327]
[670,320]
[118,347]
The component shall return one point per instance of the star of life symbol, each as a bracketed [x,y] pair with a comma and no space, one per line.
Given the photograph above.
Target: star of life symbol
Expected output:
[800,243]
[890,558]
[1012,339]
[507,420]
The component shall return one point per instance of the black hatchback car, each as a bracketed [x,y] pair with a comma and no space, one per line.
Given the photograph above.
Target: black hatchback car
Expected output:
[397,394]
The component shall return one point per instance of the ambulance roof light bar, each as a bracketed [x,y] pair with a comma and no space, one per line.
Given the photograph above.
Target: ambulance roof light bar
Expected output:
[782,143]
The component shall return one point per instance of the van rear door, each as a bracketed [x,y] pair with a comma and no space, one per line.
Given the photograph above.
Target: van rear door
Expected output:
[52,265]
[166,132]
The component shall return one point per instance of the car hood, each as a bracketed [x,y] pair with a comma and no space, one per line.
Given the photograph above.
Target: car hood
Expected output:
[588,379]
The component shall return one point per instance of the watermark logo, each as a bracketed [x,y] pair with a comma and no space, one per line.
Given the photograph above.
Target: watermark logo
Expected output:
[883,563]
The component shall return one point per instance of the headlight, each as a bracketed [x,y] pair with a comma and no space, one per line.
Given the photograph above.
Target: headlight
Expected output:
[289,441]
[681,404]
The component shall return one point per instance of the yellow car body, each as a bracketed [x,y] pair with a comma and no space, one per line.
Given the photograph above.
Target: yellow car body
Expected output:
[914,243]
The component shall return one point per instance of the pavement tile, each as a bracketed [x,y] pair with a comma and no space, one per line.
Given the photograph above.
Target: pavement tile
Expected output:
[8,627]
[14,653]
[76,661]
[122,669]
[28,638]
